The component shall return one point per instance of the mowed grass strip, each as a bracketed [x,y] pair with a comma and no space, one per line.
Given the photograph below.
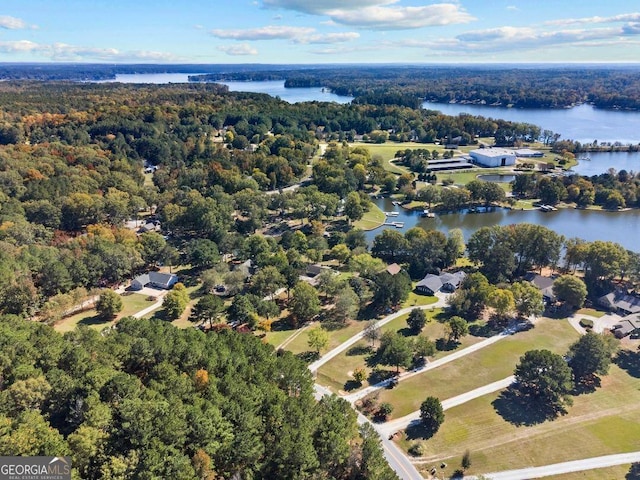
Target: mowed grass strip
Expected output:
[336,372]
[371,219]
[336,337]
[619,471]
[604,422]
[480,368]
[130,304]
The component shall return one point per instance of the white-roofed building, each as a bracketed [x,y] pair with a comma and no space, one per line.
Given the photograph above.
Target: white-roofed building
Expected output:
[493,157]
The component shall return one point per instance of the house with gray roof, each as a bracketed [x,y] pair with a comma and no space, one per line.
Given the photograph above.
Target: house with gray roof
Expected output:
[154,280]
[627,326]
[445,282]
[544,284]
[620,302]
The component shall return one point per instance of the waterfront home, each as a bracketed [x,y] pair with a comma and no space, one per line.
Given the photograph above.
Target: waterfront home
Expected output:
[620,302]
[445,282]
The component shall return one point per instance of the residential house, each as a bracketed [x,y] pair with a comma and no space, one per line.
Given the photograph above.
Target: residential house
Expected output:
[445,282]
[628,325]
[620,302]
[544,284]
[154,280]
[394,269]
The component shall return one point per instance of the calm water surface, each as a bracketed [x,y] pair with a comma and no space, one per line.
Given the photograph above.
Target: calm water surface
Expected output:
[582,123]
[600,162]
[620,227]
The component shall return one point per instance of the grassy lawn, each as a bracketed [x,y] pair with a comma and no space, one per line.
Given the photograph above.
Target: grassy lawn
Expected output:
[371,219]
[592,312]
[336,337]
[336,372]
[130,304]
[601,423]
[462,178]
[485,366]
[415,299]
[275,338]
[598,474]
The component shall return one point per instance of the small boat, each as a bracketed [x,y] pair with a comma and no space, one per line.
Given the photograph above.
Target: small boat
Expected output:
[398,224]
[395,202]
[584,159]
[392,214]
[428,214]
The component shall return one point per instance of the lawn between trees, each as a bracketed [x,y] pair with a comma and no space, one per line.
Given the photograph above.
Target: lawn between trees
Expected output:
[479,368]
[604,422]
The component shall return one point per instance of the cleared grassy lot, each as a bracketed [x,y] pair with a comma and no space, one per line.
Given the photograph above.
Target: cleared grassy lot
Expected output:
[598,474]
[130,304]
[485,366]
[336,336]
[601,423]
[337,372]
[415,299]
[371,219]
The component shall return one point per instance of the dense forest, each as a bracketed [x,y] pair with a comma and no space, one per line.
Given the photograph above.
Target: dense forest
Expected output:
[151,401]
[519,87]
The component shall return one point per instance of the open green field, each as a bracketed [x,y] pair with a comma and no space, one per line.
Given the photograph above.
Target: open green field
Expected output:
[462,178]
[592,312]
[601,423]
[371,219]
[277,337]
[130,304]
[417,300]
[337,371]
[487,365]
[336,337]
[598,474]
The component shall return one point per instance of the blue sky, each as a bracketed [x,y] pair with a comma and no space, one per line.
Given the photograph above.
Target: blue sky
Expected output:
[319,31]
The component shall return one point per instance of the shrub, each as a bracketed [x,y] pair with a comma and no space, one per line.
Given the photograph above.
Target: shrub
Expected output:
[586,323]
[416,450]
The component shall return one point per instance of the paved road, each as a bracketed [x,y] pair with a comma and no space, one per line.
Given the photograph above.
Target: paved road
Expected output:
[394,456]
[565,467]
[442,297]
[430,366]
[403,422]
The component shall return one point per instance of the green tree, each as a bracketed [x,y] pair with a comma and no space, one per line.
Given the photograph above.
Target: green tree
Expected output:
[373,465]
[153,245]
[305,303]
[417,320]
[527,298]
[456,328]
[318,339]
[423,347]
[359,375]
[241,309]
[352,207]
[591,356]
[544,377]
[203,253]
[571,290]
[395,350]
[384,410]
[372,332]
[109,304]
[431,414]
[390,290]
[267,281]
[175,302]
[208,309]
[502,302]
[465,463]
[346,305]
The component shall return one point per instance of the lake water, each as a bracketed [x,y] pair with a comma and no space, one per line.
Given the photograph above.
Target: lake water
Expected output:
[600,162]
[497,178]
[275,88]
[590,225]
[583,123]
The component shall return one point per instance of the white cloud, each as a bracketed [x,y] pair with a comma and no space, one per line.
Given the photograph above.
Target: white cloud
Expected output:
[270,32]
[512,8]
[65,52]
[319,7]
[399,18]
[625,17]
[378,14]
[12,23]
[237,50]
[329,38]
[522,39]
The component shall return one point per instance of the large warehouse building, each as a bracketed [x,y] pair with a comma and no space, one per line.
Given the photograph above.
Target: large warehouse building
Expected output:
[493,157]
